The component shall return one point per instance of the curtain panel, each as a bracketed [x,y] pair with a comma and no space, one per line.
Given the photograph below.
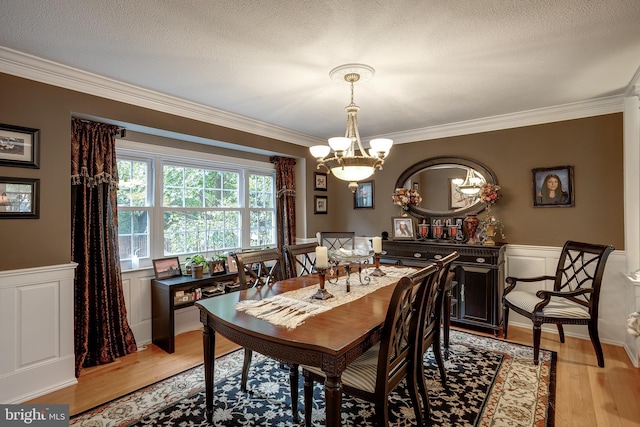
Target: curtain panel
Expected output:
[285,200]
[102,332]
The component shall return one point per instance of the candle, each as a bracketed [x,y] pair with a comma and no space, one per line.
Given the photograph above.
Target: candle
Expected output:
[377,245]
[322,260]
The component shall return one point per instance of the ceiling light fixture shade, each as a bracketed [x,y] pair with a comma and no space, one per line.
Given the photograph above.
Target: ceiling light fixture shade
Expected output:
[350,161]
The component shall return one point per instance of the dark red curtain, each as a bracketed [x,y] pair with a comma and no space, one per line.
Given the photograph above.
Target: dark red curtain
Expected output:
[285,200]
[102,332]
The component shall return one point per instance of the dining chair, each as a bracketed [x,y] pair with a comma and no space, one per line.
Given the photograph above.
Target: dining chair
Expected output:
[573,300]
[257,269]
[334,240]
[299,259]
[430,320]
[378,371]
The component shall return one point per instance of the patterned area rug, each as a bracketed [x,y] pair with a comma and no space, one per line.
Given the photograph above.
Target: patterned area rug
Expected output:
[491,383]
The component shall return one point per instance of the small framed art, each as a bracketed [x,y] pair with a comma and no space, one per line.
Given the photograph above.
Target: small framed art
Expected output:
[553,187]
[167,267]
[320,205]
[19,198]
[320,181]
[19,146]
[363,196]
[403,228]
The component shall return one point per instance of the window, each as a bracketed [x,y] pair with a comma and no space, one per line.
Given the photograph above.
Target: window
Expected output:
[134,206]
[205,205]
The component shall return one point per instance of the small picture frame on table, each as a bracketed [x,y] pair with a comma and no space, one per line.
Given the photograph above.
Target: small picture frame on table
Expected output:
[403,228]
[19,198]
[553,187]
[320,205]
[363,196]
[19,146]
[320,181]
[167,267]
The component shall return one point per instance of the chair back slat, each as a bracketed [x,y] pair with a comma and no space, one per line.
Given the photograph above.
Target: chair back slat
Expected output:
[259,268]
[334,240]
[581,266]
[300,259]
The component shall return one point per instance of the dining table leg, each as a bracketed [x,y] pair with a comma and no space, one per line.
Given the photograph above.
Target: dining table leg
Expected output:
[333,396]
[209,344]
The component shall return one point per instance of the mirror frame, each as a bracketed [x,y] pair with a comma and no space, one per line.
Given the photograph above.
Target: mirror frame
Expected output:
[419,212]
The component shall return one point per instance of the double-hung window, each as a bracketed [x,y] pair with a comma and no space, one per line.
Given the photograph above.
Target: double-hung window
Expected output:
[200,205]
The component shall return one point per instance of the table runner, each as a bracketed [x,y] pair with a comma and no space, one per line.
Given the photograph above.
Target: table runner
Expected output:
[292,308]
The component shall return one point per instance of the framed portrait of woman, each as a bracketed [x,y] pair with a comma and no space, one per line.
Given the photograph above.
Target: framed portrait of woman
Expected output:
[553,187]
[403,228]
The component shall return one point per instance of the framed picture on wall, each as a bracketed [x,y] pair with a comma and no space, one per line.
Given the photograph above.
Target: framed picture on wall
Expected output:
[363,196]
[553,187]
[456,198]
[19,146]
[403,228]
[320,181]
[19,198]
[320,205]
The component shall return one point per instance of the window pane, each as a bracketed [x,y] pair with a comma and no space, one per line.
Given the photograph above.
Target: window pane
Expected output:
[262,228]
[133,233]
[261,189]
[133,184]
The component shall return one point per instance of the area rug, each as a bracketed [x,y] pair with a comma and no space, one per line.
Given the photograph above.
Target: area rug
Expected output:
[491,383]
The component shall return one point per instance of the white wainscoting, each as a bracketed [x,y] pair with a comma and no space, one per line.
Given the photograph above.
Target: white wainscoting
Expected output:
[36,332]
[527,261]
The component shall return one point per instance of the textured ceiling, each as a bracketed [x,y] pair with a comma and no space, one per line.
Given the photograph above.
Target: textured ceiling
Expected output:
[437,62]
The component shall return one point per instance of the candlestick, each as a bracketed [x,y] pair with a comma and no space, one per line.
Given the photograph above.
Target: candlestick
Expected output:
[377,245]
[321,293]
[322,259]
[376,271]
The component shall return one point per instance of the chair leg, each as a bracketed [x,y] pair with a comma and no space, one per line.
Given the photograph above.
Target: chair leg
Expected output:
[381,404]
[293,383]
[414,377]
[437,352]
[537,331]
[248,354]
[308,399]
[595,340]
[505,320]
[560,332]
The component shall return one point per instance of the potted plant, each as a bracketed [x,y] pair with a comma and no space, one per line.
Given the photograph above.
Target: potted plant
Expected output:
[197,262]
[216,264]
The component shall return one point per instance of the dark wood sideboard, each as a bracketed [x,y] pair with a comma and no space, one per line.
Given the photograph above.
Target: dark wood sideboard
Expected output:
[479,277]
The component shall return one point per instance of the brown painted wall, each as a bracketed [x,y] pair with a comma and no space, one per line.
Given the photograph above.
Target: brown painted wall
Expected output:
[47,241]
[592,145]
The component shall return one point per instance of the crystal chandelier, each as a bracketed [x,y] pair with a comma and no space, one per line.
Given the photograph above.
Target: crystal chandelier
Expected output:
[350,161]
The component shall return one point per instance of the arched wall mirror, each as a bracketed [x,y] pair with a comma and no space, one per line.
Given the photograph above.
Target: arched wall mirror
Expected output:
[443,184]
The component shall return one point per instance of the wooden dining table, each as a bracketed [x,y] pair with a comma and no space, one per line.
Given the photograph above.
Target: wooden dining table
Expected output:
[329,340]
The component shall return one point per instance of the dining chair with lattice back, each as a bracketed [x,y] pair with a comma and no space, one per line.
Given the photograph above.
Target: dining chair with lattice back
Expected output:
[334,240]
[299,258]
[430,320]
[377,372]
[257,269]
[573,300]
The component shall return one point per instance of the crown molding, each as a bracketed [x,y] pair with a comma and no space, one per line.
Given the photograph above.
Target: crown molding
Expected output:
[45,71]
[596,107]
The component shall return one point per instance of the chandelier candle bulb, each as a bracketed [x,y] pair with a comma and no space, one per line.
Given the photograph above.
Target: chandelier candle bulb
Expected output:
[322,258]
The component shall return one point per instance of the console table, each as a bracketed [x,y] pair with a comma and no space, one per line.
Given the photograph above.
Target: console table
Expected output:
[478,281]
[163,303]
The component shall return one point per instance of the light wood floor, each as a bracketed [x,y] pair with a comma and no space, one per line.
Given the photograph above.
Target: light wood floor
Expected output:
[586,395]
